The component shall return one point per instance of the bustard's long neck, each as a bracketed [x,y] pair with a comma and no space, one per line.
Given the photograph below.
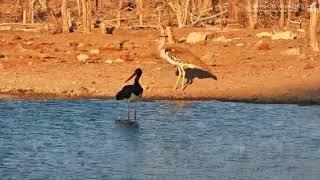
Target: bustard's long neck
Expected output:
[161,44]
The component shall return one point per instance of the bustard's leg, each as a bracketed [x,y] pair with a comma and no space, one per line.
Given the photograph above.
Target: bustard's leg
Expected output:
[179,70]
[135,110]
[183,77]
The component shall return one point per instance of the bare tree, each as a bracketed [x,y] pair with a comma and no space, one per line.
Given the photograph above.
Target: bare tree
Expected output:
[282,11]
[86,15]
[139,4]
[181,8]
[119,13]
[289,9]
[64,12]
[252,11]
[314,10]
[79,7]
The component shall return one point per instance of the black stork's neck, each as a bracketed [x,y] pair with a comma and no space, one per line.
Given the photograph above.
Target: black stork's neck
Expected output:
[136,80]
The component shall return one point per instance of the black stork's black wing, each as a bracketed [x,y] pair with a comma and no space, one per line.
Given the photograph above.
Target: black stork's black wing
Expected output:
[125,92]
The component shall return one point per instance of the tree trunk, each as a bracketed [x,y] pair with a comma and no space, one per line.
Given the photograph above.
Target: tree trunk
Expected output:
[139,4]
[31,11]
[84,16]
[313,28]
[170,35]
[65,25]
[252,11]
[24,17]
[119,13]
[89,15]
[79,7]
[289,13]
[281,22]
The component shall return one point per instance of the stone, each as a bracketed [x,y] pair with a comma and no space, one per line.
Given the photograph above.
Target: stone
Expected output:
[182,39]
[16,37]
[2,56]
[240,44]
[263,46]
[308,66]
[264,34]
[291,52]
[286,35]
[81,45]
[82,57]
[109,61]
[303,56]
[127,57]
[222,39]
[94,52]
[195,37]
[119,60]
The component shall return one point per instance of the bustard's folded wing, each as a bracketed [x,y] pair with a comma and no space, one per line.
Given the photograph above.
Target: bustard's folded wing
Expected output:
[187,57]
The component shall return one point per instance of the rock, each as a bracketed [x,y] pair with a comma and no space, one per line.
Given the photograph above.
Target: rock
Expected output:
[263,46]
[291,52]
[109,61]
[308,66]
[2,56]
[81,45]
[222,39]
[301,30]
[119,45]
[94,52]
[240,44]
[119,60]
[286,35]
[110,29]
[28,43]
[303,56]
[82,57]
[182,39]
[264,34]
[195,37]
[16,38]
[73,44]
[127,57]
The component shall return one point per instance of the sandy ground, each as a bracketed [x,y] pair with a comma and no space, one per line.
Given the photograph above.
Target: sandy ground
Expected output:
[37,65]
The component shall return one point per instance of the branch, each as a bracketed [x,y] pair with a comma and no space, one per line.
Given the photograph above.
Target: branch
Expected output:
[211,17]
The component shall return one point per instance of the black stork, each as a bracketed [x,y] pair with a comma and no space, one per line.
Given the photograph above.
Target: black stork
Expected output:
[131,93]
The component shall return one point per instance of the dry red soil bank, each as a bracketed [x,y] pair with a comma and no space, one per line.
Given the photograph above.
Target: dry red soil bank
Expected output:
[46,66]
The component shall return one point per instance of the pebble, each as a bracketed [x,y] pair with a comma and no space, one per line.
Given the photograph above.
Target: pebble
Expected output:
[240,45]
[109,61]
[94,52]
[81,45]
[82,57]
[119,60]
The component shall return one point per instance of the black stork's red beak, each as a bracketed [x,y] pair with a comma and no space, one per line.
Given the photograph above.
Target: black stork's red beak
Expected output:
[134,74]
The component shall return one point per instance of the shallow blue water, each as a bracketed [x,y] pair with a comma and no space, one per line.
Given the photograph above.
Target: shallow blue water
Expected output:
[80,139]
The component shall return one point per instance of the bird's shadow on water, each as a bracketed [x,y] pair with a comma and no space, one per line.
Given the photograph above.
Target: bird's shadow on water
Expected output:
[127,123]
[191,74]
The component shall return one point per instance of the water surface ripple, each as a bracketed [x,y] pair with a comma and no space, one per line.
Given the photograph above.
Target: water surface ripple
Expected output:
[79,139]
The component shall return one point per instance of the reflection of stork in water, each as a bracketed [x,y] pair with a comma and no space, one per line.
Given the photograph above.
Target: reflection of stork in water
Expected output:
[132,93]
[183,59]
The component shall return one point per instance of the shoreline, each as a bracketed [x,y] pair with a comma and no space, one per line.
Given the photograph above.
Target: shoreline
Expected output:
[48,96]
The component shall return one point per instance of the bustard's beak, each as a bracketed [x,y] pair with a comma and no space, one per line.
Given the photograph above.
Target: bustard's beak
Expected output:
[134,74]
